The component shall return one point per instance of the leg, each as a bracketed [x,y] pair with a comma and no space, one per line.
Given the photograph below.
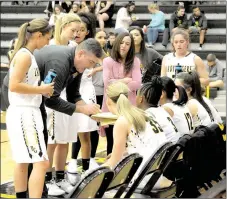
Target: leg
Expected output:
[149,35]
[61,156]
[109,137]
[202,36]
[20,179]
[50,152]
[102,18]
[36,180]
[216,84]
[165,38]
[154,35]
[76,148]
[85,149]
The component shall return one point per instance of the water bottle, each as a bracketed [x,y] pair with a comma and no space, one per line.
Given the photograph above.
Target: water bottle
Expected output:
[50,76]
[178,69]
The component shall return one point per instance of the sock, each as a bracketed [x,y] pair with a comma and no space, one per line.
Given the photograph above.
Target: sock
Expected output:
[60,175]
[85,164]
[200,45]
[48,176]
[22,194]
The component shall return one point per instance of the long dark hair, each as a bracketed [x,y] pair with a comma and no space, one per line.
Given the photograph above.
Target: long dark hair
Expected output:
[90,21]
[127,6]
[152,90]
[143,49]
[191,80]
[115,53]
[169,87]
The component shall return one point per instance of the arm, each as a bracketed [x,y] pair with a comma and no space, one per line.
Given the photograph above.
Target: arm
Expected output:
[185,22]
[171,22]
[21,67]
[120,133]
[158,21]
[153,55]
[201,70]
[97,7]
[163,69]
[56,102]
[136,76]
[190,21]
[108,72]
[108,4]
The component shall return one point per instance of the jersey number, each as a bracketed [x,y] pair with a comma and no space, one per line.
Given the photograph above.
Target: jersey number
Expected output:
[189,121]
[155,125]
[171,121]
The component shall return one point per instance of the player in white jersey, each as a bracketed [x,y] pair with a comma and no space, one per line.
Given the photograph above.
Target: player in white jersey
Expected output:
[201,112]
[147,99]
[23,119]
[182,59]
[178,110]
[58,124]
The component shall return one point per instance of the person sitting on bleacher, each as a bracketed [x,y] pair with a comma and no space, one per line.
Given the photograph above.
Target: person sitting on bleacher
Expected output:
[156,25]
[215,70]
[178,20]
[198,24]
[75,8]
[57,13]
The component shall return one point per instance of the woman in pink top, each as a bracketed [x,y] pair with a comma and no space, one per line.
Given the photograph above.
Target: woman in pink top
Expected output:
[121,66]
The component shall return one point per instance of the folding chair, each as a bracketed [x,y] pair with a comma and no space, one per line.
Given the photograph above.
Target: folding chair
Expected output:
[156,165]
[124,172]
[92,183]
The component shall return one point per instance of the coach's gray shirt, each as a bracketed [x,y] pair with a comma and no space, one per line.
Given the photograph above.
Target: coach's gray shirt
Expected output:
[61,59]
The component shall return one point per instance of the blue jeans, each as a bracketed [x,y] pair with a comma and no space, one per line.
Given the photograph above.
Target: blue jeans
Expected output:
[152,34]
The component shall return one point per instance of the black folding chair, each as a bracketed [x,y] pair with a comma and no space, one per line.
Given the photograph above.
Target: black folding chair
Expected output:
[124,172]
[156,165]
[90,185]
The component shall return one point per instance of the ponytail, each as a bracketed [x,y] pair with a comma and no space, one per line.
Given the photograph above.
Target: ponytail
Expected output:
[22,39]
[183,97]
[191,80]
[118,93]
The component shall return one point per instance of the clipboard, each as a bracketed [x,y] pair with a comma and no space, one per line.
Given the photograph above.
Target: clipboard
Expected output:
[105,118]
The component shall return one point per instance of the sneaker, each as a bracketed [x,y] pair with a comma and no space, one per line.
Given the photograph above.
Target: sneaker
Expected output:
[73,178]
[150,46]
[93,164]
[65,185]
[200,48]
[72,166]
[53,189]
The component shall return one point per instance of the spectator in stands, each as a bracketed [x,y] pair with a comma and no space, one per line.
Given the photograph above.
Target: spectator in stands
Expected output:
[84,7]
[110,42]
[156,25]
[125,18]
[202,111]
[121,66]
[104,12]
[182,59]
[148,97]
[178,20]
[75,8]
[134,131]
[198,24]
[215,70]
[58,12]
[146,55]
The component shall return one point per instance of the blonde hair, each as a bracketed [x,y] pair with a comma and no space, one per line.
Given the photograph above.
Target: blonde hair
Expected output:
[61,22]
[153,6]
[26,30]
[118,93]
[184,33]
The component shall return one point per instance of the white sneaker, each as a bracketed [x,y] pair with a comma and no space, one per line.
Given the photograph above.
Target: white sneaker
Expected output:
[200,48]
[150,46]
[65,185]
[73,178]
[93,164]
[53,189]
[72,166]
